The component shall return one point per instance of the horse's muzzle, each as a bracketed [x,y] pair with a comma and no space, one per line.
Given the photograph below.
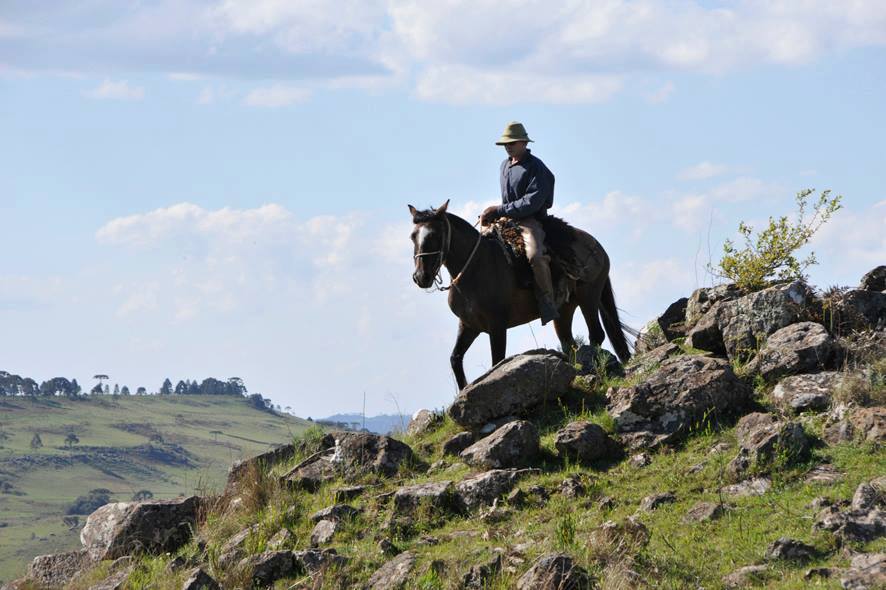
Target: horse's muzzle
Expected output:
[422,280]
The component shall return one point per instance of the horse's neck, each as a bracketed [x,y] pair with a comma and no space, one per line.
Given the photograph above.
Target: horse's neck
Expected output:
[464,239]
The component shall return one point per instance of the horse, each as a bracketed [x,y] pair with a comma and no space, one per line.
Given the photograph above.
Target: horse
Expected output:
[487,296]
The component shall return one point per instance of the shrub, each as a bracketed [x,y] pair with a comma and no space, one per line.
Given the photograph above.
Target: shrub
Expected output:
[771,254]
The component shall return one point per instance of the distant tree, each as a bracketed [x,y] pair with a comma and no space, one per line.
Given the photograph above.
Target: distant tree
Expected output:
[97,390]
[91,502]
[181,388]
[257,401]
[58,386]
[141,391]
[71,440]
[142,495]
[36,441]
[75,387]
[194,388]
[107,390]
[124,390]
[166,388]
[236,386]
[101,378]
[116,389]
[13,385]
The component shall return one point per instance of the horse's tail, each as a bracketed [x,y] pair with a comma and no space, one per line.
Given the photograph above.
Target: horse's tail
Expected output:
[614,328]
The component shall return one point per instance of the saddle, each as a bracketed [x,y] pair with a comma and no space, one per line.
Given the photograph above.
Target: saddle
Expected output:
[559,237]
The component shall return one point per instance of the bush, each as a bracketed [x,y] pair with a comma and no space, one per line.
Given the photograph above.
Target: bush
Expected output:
[771,254]
[91,502]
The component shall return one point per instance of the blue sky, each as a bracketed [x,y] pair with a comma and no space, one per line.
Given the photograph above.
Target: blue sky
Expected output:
[219,188]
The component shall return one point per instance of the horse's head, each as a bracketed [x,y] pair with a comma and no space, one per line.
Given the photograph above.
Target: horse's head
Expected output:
[430,240]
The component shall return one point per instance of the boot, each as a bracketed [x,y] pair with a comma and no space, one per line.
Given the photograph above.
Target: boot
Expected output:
[544,289]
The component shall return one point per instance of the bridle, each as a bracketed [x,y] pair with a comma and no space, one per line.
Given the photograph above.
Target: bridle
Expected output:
[443,253]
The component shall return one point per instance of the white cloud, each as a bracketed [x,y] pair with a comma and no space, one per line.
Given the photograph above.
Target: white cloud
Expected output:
[662,94]
[702,170]
[746,188]
[277,95]
[110,90]
[691,212]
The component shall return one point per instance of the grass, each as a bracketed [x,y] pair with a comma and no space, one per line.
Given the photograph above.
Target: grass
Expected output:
[216,430]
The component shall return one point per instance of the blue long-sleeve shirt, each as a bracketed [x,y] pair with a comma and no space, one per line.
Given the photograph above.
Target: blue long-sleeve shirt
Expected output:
[527,188]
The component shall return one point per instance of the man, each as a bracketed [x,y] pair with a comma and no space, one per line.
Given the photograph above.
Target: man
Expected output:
[527,192]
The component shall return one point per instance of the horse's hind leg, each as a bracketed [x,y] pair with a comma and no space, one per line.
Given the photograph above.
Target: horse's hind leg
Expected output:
[466,337]
[590,309]
[563,327]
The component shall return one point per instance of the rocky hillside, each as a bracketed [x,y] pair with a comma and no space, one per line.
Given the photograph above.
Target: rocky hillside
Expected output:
[742,447]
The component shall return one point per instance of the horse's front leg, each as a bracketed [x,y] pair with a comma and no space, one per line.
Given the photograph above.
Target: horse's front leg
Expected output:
[466,337]
[498,342]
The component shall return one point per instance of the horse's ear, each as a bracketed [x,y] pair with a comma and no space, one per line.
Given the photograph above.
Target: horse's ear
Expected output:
[442,208]
[412,211]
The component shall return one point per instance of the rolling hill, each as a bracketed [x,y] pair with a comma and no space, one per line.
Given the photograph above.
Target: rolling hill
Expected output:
[167,445]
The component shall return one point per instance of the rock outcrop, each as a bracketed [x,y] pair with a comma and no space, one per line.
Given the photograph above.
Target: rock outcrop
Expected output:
[513,445]
[513,387]
[804,347]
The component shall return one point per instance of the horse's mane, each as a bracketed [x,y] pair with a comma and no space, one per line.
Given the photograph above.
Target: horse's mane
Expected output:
[431,215]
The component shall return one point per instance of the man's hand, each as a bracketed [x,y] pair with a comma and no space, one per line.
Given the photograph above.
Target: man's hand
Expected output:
[489,215]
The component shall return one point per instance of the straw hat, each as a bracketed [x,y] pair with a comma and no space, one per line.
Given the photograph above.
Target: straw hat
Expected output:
[514,131]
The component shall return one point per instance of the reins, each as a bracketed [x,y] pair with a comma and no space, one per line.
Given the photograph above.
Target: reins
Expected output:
[438,279]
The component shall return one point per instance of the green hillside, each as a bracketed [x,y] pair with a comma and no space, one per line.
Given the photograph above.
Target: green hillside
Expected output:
[169,445]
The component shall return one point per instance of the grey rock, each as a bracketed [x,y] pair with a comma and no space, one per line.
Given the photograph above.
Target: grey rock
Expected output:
[457,443]
[650,503]
[234,548]
[673,321]
[823,475]
[867,497]
[804,347]
[706,334]
[323,532]
[554,571]
[788,549]
[867,571]
[804,393]
[513,445]
[423,421]
[596,359]
[200,580]
[756,486]
[484,488]
[583,442]
[480,576]
[704,512]
[649,337]
[746,576]
[874,280]
[859,424]
[852,525]
[640,460]
[649,361]
[260,462]
[116,581]
[335,512]
[438,496]
[268,567]
[282,539]
[387,547]
[855,310]
[702,300]
[318,560]
[513,386]
[748,320]
[572,486]
[155,526]
[355,454]
[58,569]
[680,393]
[762,437]
[346,493]
[394,574]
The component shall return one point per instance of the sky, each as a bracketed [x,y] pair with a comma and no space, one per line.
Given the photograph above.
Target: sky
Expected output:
[219,188]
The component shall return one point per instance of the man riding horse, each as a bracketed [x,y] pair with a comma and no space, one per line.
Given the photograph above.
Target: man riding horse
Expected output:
[527,192]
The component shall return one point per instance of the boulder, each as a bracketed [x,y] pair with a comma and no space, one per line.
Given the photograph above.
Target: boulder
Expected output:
[806,393]
[648,361]
[855,310]
[865,518]
[649,337]
[323,532]
[423,421]
[348,493]
[58,569]
[704,512]
[866,571]
[318,560]
[438,496]
[513,445]
[200,580]
[335,513]
[744,577]
[282,539]
[394,574]
[263,461]
[680,393]
[573,486]
[706,334]
[154,526]
[702,300]
[457,443]
[804,347]
[874,280]
[584,442]
[485,488]
[268,567]
[650,503]
[858,424]
[355,454]
[756,486]
[115,581]
[480,576]
[554,571]
[786,549]
[596,359]
[762,438]
[513,386]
